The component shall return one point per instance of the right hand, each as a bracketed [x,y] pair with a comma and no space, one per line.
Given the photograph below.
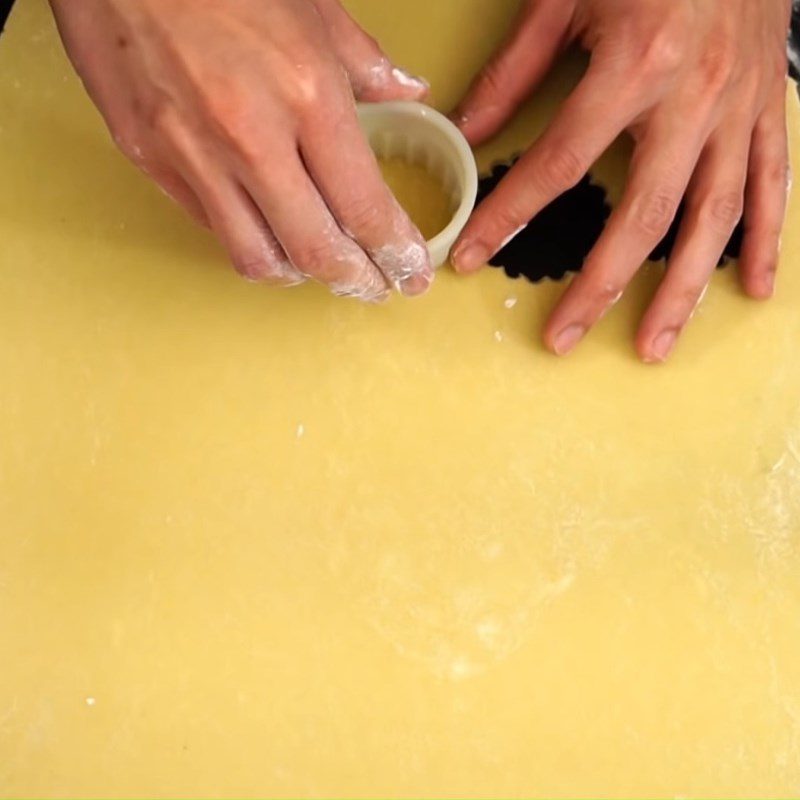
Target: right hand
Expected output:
[243,111]
[701,88]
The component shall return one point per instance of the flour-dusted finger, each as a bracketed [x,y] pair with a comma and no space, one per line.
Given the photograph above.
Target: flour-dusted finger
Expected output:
[241,228]
[349,179]
[310,235]
[373,76]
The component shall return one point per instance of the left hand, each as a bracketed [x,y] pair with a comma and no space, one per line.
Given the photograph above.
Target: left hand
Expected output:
[244,112]
[702,89]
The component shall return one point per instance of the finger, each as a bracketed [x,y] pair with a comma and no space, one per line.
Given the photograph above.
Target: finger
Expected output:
[350,181]
[765,200]
[309,234]
[515,69]
[555,163]
[253,249]
[660,170]
[373,77]
[176,188]
[713,209]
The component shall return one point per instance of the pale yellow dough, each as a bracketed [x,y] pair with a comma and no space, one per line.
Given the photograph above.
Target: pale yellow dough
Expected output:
[420,194]
[272,543]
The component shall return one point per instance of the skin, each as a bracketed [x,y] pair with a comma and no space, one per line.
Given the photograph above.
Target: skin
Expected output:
[701,88]
[243,111]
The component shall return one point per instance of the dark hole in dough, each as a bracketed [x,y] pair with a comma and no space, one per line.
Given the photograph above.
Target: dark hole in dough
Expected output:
[560,237]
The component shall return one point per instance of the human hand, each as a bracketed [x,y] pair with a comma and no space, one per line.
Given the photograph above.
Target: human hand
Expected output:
[701,88]
[243,111]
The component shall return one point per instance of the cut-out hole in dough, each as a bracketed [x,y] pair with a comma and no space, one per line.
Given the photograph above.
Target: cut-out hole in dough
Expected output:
[557,241]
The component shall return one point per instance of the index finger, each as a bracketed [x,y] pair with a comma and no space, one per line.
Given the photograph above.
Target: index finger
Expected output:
[582,130]
[515,69]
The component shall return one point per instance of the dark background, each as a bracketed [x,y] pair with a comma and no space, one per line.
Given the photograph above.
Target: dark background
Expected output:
[794,43]
[5,7]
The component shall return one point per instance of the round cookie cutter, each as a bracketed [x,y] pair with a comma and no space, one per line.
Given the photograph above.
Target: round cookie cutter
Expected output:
[423,137]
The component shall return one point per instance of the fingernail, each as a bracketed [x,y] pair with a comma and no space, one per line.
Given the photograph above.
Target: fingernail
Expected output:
[468,257]
[405,78]
[663,345]
[416,284]
[566,340]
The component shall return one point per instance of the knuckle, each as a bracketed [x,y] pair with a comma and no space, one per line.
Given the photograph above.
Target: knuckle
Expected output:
[259,257]
[344,269]
[249,148]
[688,297]
[663,53]
[404,264]
[255,265]
[779,175]
[717,66]
[510,216]
[561,168]
[494,78]
[361,213]
[326,260]
[653,213]
[161,117]
[606,292]
[307,90]
[232,118]
[723,211]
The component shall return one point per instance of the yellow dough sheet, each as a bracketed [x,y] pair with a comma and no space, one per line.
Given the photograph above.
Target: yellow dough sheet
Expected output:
[271,543]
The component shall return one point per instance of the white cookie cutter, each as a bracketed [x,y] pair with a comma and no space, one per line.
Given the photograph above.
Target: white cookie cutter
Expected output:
[422,136]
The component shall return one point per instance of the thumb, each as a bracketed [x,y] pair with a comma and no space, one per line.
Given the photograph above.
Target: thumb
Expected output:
[541,32]
[373,77]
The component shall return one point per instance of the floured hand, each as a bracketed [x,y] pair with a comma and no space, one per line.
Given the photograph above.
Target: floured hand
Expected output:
[243,111]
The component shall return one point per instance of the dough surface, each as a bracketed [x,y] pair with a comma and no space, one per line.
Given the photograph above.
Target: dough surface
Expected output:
[479,571]
[419,193]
